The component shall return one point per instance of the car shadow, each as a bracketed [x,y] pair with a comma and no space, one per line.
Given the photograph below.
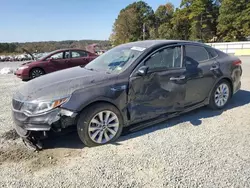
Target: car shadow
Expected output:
[70,139]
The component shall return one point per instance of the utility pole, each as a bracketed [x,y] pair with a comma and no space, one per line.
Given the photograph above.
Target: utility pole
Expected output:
[201,25]
[143,30]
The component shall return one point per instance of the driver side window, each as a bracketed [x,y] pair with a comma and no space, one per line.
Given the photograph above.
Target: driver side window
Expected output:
[167,58]
[155,61]
[57,56]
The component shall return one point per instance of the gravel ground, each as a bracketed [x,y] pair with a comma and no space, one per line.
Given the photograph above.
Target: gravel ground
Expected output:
[203,148]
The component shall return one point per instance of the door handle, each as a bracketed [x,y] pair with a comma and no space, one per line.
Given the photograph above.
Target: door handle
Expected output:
[177,78]
[214,67]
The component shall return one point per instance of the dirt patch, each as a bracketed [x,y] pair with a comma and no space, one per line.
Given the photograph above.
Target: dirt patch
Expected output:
[35,161]
[42,161]
[16,155]
[50,158]
[10,135]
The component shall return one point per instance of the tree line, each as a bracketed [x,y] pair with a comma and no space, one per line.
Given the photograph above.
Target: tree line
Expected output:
[49,46]
[199,20]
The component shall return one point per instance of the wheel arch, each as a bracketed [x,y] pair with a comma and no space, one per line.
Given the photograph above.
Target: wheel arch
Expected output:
[104,101]
[229,80]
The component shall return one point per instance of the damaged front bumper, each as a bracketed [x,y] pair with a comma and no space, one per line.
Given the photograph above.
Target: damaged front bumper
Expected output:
[55,119]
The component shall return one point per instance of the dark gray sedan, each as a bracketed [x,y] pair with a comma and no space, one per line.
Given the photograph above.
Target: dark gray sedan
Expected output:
[132,85]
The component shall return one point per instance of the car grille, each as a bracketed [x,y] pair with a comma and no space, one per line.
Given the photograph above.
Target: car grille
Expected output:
[16,104]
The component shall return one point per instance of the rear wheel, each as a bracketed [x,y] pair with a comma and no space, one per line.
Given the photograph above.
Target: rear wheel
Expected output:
[36,72]
[99,124]
[220,95]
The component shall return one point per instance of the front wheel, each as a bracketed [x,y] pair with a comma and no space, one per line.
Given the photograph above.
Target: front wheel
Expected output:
[99,124]
[36,72]
[220,95]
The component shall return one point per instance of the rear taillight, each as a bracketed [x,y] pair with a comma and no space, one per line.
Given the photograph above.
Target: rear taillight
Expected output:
[237,63]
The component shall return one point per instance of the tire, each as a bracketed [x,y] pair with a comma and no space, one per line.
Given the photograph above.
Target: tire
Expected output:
[36,72]
[87,129]
[215,104]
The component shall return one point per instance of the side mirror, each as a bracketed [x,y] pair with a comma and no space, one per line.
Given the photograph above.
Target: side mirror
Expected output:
[50,59]
[142,71]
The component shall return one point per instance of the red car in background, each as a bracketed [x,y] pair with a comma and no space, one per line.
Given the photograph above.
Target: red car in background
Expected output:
[54,61]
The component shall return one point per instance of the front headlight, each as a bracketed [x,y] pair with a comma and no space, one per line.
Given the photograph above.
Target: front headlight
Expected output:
[38,107]
[23,67]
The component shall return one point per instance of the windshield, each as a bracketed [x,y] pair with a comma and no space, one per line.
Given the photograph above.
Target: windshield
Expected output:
[115,60]
[43,55]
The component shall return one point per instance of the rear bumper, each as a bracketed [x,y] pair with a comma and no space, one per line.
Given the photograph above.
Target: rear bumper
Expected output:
[237,88]
[236,77]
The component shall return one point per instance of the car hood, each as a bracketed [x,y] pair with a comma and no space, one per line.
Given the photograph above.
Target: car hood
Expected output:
[28,52]
[26,63]
[60,84]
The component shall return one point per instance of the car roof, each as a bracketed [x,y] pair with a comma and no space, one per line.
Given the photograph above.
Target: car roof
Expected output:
[151,43]
[65,49]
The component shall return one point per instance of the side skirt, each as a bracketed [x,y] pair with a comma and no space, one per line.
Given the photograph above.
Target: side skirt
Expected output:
[162,118]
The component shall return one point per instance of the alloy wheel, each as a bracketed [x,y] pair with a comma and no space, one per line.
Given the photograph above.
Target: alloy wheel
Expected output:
[36,73]
[221,95]
[103,127]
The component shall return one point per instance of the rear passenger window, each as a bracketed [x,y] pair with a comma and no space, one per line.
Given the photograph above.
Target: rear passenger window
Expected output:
[212,53]
[196,53]
[78,54]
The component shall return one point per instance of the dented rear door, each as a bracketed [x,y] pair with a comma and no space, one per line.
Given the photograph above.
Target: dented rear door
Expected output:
[162,90]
